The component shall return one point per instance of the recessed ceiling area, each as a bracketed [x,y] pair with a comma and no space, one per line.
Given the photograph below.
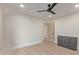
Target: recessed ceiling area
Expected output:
[61,9]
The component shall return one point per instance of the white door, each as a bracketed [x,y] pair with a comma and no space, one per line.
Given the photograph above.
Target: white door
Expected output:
[48,31]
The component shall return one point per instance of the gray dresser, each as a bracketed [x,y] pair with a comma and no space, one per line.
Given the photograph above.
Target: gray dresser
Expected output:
[67,42]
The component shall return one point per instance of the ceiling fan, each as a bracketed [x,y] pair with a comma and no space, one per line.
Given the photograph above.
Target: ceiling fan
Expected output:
[49,9]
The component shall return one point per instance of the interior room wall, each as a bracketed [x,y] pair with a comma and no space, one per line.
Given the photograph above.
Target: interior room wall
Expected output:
[67,26]
[20,30]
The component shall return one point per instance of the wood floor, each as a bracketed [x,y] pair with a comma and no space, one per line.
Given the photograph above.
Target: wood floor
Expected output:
[45,48]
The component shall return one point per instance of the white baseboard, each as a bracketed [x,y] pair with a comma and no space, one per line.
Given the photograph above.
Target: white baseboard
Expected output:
[22,45]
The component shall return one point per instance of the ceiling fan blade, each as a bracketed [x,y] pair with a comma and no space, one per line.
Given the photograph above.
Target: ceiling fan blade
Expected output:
[52,12]
[53,5]
[42,11]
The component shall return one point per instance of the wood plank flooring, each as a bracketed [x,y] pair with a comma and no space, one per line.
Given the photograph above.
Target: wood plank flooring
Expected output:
[45,48]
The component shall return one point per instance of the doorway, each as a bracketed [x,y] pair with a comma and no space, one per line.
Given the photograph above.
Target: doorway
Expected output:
[48,32]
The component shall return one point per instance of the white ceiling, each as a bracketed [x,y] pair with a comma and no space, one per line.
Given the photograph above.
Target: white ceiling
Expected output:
[61,9]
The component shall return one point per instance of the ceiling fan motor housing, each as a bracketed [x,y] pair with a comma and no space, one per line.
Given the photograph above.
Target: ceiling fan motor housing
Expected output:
[49,5]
